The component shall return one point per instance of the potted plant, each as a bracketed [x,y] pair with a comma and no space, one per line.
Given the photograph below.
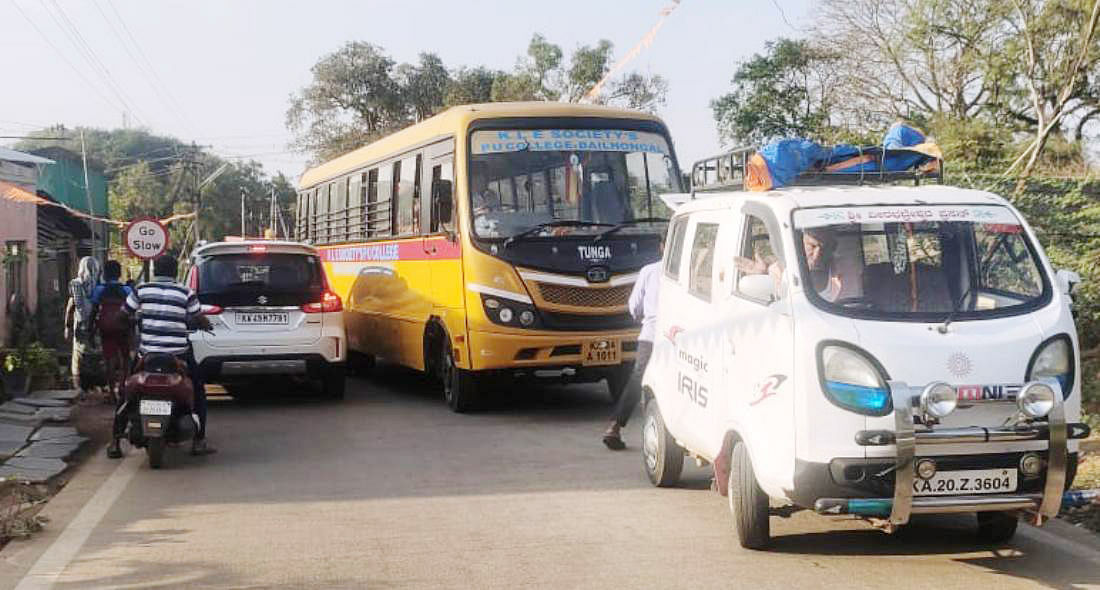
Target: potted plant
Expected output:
[13,372]
[22,366]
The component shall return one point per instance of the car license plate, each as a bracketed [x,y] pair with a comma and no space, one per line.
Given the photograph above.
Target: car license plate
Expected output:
[601,352]
[155,407]
[973,481]
[262,318]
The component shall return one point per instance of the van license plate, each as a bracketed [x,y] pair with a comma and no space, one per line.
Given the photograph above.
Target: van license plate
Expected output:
[601,352]
[155,407]
[974,481]
[262,318]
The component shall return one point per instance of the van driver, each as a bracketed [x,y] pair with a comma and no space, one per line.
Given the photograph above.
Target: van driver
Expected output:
[819,246]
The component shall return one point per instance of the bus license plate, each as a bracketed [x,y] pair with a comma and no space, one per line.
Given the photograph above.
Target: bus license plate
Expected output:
[262,318]
[601,352]
[155,407]
[974,481]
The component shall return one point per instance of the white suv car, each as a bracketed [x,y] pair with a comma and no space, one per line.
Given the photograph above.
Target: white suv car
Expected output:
[272,311]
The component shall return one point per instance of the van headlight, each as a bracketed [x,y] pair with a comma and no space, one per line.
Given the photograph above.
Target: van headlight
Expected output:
[1054,359]
[938,400]
[853,380]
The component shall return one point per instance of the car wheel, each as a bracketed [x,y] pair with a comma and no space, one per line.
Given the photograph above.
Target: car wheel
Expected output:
[996,527]
[617,382]
[360,364]
[662,457]
[336,382]
[459,385]
[748,503]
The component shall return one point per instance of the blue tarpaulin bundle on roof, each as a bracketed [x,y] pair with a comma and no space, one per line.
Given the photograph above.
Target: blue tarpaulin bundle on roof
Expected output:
[779,163]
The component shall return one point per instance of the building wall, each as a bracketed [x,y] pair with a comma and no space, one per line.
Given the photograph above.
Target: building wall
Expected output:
[19,222]
[23,175]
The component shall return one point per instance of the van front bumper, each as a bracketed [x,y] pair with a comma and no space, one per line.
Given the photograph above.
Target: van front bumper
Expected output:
[496,350]
[914,436]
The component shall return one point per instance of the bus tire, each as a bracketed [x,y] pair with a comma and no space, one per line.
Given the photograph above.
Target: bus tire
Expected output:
[459,385]
[996,527]
[748,503]
[662,457]
[617,382]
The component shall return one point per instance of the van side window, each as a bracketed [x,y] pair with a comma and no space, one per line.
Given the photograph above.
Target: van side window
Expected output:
[700,271]
[757,253]
[675,248]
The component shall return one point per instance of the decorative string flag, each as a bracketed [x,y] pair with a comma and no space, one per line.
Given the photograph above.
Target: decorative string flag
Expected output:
[634,51]
[114,222]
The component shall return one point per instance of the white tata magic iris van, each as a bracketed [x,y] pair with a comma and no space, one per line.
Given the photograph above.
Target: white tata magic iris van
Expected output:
[879,351]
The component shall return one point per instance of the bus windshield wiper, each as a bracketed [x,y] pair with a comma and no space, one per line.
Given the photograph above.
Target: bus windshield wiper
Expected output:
[556,223]
[619,226]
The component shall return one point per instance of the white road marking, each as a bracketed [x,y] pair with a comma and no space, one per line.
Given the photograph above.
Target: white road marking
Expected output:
[45,572]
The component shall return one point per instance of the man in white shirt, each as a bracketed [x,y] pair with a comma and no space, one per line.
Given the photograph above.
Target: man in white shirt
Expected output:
[643,306]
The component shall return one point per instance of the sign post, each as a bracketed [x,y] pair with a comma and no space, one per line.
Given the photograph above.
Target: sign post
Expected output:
[146,238]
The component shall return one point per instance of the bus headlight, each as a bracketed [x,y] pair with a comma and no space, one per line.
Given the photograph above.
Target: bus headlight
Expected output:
[526,317]
[938,400]
[1054,358]
[508,312]
[853,380]
[1035,400]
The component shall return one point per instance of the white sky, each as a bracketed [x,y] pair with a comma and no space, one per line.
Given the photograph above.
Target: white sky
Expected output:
[222,70]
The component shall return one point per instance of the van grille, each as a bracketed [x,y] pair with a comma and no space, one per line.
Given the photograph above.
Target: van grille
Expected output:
[585,296]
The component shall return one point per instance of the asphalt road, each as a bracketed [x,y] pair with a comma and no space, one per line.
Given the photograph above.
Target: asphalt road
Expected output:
[388,489]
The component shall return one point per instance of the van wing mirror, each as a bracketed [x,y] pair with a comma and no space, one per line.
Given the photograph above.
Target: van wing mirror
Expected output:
[1067,280]
[757,286]
[442,191]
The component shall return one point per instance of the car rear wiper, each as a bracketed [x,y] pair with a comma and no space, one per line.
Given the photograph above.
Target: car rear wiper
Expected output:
[556,223]
[629,223]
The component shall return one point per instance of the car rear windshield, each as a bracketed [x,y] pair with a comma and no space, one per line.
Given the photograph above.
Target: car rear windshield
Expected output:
[919,262]
[268,273]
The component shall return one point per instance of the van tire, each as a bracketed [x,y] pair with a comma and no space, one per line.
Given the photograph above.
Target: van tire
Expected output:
[996,527]
[748,503]
[459,385]
[617,382]
[662,458]
[336,382]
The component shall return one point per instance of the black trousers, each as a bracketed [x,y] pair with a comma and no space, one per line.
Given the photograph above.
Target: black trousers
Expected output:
[633,392]
[122,412]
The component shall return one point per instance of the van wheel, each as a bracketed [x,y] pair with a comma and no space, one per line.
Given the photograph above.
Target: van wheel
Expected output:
[336,381]
[996,527]
[155,449]
[748,503]
[617,382]
[662,457]
[459,385]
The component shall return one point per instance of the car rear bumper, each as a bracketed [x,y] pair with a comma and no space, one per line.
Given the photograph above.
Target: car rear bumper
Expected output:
[240,367]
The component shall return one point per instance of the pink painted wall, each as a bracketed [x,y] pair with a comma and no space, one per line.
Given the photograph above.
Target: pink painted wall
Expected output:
[19,222]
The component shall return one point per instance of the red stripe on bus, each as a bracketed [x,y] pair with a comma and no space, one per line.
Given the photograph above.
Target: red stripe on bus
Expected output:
[436,248]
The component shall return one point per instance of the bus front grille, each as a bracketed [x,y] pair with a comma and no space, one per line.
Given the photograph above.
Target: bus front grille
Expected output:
[585,296]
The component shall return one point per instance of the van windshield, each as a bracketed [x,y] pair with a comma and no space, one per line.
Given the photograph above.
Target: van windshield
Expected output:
[920,262]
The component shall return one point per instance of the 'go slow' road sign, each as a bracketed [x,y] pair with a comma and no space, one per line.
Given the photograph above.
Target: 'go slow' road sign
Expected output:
[146,238]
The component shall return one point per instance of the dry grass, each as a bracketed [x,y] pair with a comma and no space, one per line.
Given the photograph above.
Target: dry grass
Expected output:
[19,506]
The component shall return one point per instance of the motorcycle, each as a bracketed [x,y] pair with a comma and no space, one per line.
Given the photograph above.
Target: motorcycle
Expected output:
[160,400]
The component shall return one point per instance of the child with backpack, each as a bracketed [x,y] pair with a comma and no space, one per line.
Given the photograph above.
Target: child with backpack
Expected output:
[112,323]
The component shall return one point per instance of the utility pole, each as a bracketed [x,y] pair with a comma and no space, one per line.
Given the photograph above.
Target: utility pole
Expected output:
[87,189]
[274,209]
[242,212]
[194,164]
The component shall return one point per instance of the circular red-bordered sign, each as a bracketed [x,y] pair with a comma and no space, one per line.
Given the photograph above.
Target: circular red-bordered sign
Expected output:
[146,238]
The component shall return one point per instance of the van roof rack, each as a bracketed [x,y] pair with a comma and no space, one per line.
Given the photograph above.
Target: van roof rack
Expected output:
[726,171]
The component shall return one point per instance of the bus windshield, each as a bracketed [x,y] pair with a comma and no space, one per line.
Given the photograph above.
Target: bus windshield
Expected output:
[919,263]
[543,182]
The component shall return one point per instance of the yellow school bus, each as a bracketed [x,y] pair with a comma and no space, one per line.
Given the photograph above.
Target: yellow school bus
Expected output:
[495,242]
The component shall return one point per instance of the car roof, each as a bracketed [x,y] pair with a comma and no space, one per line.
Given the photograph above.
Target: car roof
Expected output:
[246,247]
[787,199]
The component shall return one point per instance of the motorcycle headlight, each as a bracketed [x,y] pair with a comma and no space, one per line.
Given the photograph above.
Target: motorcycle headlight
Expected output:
[853,380]
[1054,358]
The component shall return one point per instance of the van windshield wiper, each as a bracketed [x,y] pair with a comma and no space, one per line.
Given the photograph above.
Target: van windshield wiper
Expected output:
[556,223]
[955,310]
[629,223]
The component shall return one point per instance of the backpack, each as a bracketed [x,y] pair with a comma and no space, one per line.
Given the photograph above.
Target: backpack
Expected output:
[112,319]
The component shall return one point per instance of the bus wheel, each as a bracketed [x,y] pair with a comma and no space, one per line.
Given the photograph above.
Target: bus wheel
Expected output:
[617,381]
[459,385]
[748,503]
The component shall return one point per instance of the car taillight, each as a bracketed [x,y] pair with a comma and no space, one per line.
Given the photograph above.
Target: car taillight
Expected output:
[193,279]
[211,309]
[329,302]
[257,249]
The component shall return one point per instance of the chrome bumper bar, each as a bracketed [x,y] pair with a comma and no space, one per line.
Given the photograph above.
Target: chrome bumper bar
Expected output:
[907,437]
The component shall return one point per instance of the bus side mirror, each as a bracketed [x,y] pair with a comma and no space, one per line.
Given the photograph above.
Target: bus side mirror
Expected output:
[442,201]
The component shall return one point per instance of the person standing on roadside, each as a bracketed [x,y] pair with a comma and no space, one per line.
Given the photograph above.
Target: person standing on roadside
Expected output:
[643,307]
[78,325]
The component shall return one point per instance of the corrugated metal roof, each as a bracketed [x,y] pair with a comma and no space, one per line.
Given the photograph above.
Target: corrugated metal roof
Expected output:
[14,156]
[13,192]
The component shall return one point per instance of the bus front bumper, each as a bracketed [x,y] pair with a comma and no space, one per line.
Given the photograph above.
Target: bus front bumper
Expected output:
[495,350]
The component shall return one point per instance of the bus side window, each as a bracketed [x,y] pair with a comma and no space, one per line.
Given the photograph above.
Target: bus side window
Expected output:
[441,172]
[404,183]
[373,211]
[338,218]
[416,195]
[395,181]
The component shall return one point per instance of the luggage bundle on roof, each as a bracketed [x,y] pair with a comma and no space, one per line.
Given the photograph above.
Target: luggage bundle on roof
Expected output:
[904,155]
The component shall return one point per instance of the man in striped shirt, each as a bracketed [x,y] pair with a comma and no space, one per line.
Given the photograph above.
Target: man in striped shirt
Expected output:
[166,310]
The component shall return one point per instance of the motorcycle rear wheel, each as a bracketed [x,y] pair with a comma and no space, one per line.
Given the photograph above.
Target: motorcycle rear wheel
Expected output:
[154,447]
